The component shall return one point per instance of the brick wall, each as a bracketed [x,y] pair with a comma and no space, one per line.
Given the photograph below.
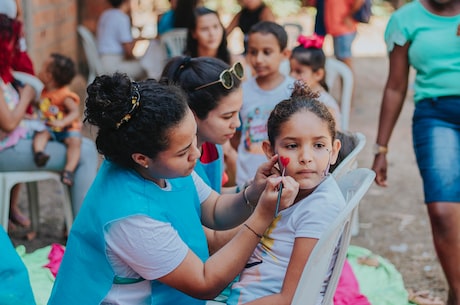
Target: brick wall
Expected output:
[51,26]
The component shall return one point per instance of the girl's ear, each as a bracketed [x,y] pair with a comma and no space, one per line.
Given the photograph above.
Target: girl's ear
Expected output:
[268,149]
[140,159]
[336,145]
[319,74]
[286,53]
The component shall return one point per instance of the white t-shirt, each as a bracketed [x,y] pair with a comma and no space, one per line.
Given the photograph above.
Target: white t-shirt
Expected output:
[113,29]
[133,252]
[308,218]
[257,106]
[9,8]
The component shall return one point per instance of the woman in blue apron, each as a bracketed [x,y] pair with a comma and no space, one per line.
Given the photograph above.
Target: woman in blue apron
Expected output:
[138,238]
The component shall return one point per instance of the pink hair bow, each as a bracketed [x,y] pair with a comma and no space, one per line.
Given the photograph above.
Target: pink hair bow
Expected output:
[313,41]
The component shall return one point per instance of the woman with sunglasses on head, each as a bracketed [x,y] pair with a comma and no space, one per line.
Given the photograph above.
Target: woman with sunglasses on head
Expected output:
[138,238]
[215,97]
[206,37]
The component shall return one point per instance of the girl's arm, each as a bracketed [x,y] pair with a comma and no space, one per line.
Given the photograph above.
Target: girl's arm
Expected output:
[10,119]
[206,280]
[392,103]
[299,257]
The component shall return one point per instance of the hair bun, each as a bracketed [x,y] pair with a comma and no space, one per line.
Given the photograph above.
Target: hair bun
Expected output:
[301,89]
[109,99]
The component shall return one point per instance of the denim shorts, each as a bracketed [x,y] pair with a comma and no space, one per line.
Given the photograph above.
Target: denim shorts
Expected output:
[436,136]
[342,45]
[60,136]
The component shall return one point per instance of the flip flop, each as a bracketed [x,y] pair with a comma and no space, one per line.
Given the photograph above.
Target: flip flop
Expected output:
[423,297]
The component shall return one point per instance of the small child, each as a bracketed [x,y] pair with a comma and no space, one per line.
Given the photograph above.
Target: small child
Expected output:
[308,63]
[267,44]
[59,108]
[303,130]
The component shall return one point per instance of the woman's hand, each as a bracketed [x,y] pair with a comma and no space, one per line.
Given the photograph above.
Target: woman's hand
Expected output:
[380,169]
[268,200]
[264,171]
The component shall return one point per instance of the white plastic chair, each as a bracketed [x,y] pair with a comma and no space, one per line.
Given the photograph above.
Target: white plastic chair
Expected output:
[175,41]
[92,55]
[354,186]
[293,30]
[348,164]
[336,69]
[9,179]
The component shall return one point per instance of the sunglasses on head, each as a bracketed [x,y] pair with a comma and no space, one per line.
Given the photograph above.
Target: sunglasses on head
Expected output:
[226,78]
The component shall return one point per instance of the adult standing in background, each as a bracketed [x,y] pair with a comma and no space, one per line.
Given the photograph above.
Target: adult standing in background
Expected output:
[252,11]
[339,22]
[115,41]
[433,51]
[179,16]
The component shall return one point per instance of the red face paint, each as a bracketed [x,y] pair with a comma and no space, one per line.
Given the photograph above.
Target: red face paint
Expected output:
[284,161]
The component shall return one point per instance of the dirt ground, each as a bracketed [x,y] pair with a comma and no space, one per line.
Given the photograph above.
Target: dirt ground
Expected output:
[393,220]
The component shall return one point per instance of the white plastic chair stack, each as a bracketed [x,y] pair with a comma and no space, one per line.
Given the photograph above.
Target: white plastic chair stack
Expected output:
[336,69]
[92,55]
[9,179]
[354,186]
[175,41]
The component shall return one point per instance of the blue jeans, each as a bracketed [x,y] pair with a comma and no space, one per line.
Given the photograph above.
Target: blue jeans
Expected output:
[21,158]
[436,135]
[342,45]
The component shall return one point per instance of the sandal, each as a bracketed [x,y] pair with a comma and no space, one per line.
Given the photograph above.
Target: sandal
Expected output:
[40,158]
[423,297]
[67,177]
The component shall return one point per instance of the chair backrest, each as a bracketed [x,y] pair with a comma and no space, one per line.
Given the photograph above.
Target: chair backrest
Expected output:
[350,161]
[293,30]
[336,69]
[175,41]
[92,55]
[354,186]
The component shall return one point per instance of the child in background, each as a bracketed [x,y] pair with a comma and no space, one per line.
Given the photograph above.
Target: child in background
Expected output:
[266,50]
[59,108]
[308,63]
[302,129]
[252,12]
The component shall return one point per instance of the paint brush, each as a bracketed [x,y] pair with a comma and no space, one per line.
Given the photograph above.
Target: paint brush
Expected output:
[284,162]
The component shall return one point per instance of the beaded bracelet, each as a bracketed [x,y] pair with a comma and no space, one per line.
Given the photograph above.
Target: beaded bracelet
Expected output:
[251,229]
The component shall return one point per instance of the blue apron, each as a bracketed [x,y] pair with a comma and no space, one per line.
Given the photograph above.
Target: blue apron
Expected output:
[85,275]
